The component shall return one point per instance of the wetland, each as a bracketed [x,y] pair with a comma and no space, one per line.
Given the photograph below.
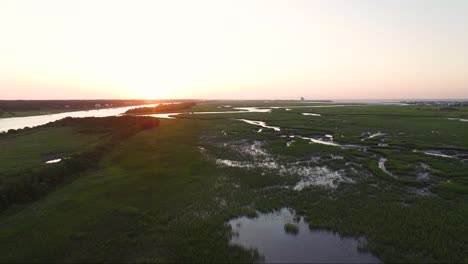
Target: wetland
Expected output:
[239,181]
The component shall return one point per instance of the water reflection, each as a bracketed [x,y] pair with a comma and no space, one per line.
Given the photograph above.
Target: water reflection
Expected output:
[458,119]
[260,123]
[53,161]
[271,234]
[166,115]
[32,121]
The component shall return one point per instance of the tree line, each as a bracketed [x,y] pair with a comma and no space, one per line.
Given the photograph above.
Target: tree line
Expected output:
[162,108]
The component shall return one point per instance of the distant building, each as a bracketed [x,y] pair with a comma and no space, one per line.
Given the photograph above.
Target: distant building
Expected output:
[302,99]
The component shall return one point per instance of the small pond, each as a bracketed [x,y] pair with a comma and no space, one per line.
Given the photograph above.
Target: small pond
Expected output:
[267,233]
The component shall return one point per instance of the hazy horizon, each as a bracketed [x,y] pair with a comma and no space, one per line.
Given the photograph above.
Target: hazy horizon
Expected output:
[249,99]
[320,50]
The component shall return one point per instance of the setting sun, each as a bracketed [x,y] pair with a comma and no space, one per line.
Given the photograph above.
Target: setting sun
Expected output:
[232,49]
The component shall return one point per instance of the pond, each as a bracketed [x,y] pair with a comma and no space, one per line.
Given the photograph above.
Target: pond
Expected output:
[280,237]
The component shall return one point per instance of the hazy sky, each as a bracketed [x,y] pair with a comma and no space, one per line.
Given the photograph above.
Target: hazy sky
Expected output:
[344,49]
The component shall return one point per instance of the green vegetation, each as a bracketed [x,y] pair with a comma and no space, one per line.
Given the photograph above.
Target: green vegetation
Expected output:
[291,229]
[150,200]
[162,108]
[25,177]
[164,194]
[36,146]
[451,187]
[376,171]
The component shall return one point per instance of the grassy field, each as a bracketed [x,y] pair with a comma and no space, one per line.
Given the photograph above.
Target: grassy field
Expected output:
[73,145]
[165,194]
[33,148]
[140,205]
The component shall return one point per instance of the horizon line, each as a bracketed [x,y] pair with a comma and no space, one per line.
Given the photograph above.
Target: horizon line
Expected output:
[240,99]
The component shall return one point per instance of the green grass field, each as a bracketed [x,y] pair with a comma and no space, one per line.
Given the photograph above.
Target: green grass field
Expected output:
[165,194]
[33,148]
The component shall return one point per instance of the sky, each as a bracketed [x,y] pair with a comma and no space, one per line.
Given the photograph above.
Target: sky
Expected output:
[240,49]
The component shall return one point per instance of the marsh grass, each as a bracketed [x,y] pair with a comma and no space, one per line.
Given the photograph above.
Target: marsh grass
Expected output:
[291,229]
[155,197]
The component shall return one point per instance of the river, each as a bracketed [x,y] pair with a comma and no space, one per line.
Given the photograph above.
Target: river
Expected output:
[32,121]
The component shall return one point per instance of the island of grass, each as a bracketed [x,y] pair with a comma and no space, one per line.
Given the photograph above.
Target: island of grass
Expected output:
[291,229]
[162,108]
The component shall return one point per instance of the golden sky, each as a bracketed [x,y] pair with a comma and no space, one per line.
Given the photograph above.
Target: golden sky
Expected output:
[319,49]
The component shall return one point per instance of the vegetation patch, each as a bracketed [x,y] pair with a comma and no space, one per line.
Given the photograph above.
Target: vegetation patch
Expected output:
[20,184]
[290,228]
